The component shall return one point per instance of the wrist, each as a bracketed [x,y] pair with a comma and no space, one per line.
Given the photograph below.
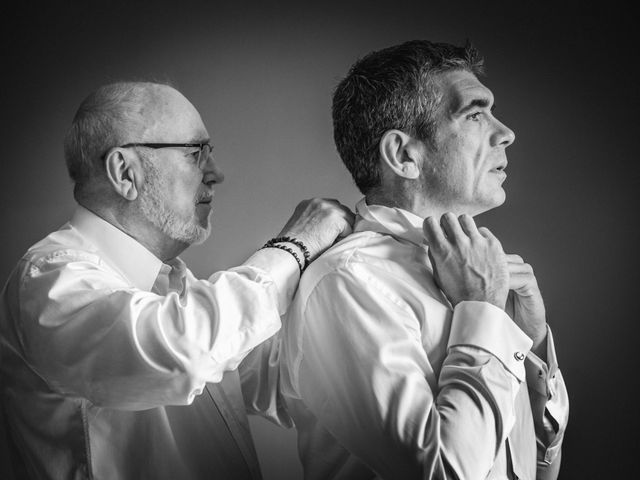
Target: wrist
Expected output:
[292,245]
[492,299]
[298,251]
[539,347]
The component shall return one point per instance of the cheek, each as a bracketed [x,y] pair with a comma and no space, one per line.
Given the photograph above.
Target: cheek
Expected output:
[182,195]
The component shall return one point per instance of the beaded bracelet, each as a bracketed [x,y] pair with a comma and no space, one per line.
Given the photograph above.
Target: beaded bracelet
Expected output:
[269,244]
[297,243]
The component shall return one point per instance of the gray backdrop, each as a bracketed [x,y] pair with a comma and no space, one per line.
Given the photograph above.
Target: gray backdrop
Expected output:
[262,74]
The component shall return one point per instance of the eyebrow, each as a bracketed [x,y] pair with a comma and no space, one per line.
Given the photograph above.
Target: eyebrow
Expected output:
[475,103]
[199,140]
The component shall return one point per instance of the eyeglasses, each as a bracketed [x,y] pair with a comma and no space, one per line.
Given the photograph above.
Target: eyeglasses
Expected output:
[201,155]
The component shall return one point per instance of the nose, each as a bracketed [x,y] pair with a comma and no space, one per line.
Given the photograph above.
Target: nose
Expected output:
[212,172]
[503,135]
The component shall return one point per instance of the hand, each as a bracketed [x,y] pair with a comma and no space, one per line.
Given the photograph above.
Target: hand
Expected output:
[525,305]
[318,223]
[468,262]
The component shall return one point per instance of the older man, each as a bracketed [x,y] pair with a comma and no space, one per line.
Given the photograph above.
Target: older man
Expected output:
[400,360]
[116,362]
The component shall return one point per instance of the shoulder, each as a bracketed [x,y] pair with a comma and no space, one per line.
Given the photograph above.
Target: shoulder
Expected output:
[369,258]
[57,250]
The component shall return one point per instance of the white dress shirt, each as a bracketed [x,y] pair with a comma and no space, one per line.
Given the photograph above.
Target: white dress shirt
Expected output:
[384,379]
[117,366]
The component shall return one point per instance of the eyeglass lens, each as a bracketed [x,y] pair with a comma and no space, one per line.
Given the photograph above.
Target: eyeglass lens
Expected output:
[204,154]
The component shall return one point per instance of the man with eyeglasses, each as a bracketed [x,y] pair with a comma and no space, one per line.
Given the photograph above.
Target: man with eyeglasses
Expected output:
[115,361]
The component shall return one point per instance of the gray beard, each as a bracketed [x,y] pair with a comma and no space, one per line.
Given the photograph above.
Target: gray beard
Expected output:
[155,209]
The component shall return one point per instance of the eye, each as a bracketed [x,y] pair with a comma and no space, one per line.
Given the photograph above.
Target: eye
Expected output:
[474,117]
[194,154]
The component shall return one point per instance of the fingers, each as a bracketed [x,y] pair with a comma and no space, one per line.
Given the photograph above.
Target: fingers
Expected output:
[344,212]
[521,278]
[468,225]
[450,228]
[349,219]
[512,258]
[466,264]
[519,267]
[486,233]
[433,233]
[318,222]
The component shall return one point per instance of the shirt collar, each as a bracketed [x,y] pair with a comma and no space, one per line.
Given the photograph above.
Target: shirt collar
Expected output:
[390,220]
[124,253]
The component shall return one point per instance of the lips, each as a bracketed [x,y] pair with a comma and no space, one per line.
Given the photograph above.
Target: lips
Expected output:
[205,199]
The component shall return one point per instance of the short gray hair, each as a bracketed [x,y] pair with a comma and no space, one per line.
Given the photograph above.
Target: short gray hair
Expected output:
[391,89]
[110,116]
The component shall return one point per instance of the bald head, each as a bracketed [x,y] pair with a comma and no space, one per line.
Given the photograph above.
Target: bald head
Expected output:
[121,113]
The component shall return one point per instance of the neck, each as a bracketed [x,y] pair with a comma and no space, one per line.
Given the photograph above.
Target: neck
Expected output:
[139,228]
[414,203]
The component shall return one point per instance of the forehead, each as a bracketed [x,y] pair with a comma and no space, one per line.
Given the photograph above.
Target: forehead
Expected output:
[459,88]
[172,118]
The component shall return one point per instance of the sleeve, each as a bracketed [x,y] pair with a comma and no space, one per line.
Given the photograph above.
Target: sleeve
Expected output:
[260,380]
[550,407]
[364,374]
[88,333]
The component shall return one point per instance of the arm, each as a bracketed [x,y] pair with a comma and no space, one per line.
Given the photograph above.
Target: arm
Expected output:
[363,372]
[88,333]
[550,409]
[547,391]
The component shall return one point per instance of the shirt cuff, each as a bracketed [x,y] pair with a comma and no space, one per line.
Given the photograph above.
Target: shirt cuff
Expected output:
[541,375]
[282,268]
[485,326]
[546,380]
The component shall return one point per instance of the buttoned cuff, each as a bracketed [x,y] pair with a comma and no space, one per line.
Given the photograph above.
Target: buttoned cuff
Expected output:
[546,380]
[542,375]
[282,268]
[485,326]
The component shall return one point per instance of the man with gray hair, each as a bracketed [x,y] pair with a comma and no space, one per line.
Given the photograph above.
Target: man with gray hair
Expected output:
[115,361]
[416,348]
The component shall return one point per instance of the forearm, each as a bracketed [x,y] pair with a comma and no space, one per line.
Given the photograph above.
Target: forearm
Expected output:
[366,376]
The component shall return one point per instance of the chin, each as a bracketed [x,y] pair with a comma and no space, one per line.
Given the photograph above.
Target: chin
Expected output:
[201,235]
[500,200]
[489,203]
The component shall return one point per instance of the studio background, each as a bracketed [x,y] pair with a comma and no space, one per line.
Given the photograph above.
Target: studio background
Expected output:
[261,75]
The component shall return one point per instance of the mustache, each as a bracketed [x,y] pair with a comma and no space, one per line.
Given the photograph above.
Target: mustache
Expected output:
[205,198]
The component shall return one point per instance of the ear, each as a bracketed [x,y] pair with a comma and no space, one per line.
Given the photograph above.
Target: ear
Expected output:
[398,152]
[123,172]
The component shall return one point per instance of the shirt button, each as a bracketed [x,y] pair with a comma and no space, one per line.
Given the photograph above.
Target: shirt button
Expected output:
[519,356]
